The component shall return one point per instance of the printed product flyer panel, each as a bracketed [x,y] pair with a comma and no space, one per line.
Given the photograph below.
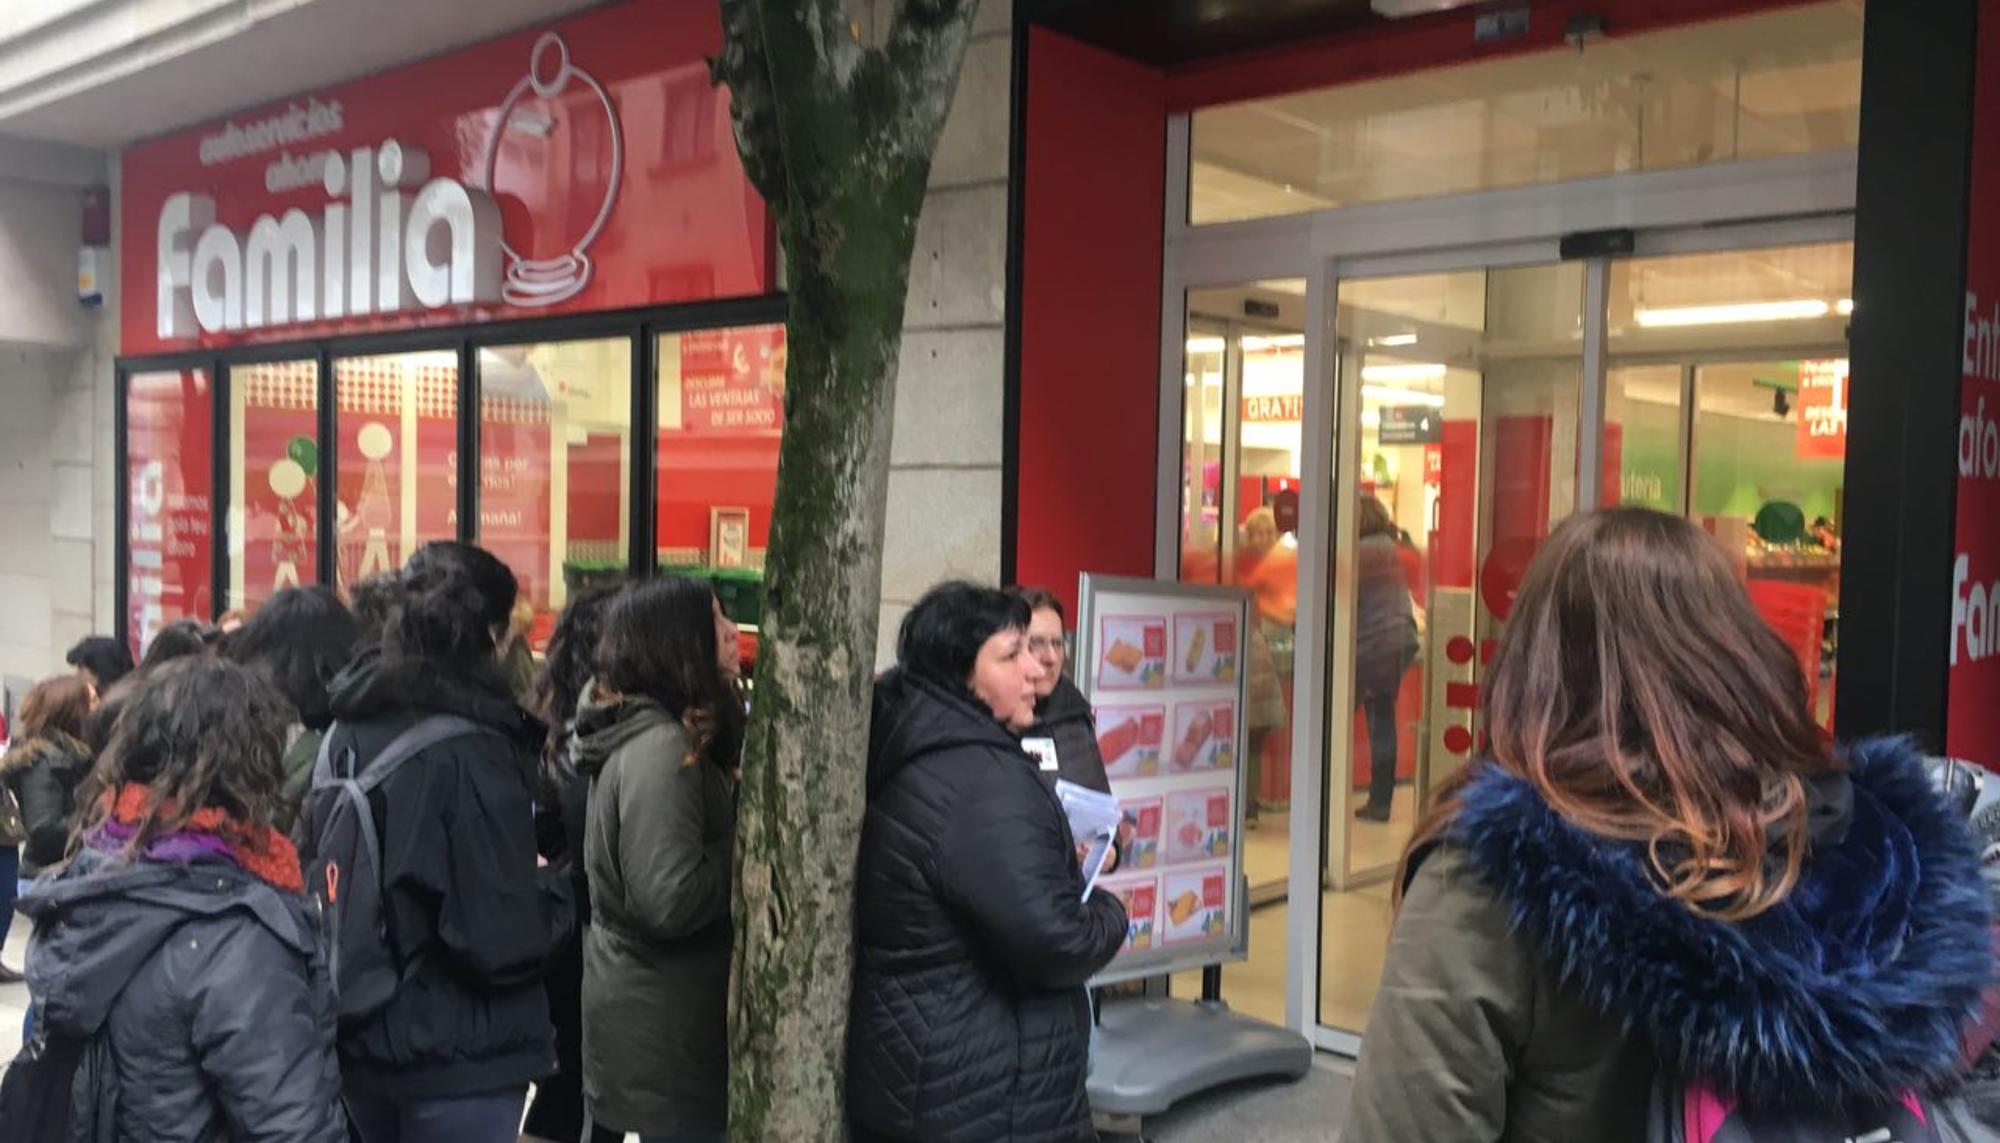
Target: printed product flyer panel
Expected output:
[1133,653]
[1204,735]
[580,165]
[1972,710]
[1141,898]
[1129,738]
[1144,815]
[1195,905]
[1198,824]
[1204,648]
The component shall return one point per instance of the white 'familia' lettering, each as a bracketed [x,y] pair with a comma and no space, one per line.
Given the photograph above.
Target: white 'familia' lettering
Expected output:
[369,253]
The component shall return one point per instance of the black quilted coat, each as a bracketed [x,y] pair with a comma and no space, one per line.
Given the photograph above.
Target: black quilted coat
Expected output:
[969,1023]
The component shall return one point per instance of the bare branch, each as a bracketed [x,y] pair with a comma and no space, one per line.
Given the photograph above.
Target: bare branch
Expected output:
[753,104]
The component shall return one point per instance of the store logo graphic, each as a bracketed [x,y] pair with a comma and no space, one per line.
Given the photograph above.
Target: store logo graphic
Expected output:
[536,282]
[392,239]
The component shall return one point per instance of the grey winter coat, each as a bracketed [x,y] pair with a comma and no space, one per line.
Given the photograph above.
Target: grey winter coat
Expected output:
[211,988]
[659,840]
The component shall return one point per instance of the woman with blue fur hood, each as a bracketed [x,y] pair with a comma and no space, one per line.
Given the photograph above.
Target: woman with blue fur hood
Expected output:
[1663,876]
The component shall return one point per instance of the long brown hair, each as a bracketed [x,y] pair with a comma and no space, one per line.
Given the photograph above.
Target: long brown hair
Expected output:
[1641,695]
[60,705]
[198,733]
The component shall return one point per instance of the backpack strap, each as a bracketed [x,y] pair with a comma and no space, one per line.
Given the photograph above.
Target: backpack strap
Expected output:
[414,740]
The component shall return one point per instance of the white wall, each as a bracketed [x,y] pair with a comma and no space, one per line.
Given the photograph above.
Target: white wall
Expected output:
[55,435]
[945,468]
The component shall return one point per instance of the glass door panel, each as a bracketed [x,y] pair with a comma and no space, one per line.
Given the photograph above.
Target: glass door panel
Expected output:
[1465,456]
[1243,436]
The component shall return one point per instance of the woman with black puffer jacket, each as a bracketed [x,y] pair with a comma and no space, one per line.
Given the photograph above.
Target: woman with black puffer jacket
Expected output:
[969,1022]
[471,921]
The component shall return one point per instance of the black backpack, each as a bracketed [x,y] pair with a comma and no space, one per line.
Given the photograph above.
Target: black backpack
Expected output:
[345,873]
[60,1089]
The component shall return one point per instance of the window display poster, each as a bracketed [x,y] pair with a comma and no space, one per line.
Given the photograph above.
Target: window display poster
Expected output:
[1198,825]
[1205,647]
[1144,814]
[170,426]
[1141,898]
[1197,904]
[1204,735]
[278,458]
[1132,653]
[1129,738]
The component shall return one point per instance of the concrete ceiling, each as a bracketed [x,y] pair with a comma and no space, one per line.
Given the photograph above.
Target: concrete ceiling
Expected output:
[109,72]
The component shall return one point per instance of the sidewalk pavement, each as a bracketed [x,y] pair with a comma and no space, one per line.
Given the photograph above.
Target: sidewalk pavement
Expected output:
[1310,1109]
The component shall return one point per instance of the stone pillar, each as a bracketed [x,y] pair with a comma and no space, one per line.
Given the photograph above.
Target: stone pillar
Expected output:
[945,471]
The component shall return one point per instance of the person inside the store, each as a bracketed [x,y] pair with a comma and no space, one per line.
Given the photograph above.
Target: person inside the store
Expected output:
[975,934]
[1270,570]
[1385,645]
[1662,861]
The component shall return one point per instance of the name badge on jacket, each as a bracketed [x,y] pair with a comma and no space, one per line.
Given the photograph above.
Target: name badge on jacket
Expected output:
[1042,750]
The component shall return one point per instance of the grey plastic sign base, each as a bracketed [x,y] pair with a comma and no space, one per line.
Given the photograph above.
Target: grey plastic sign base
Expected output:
[1149,1054]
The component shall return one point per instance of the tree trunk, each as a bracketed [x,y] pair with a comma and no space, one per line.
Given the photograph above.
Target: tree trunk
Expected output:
[839,140]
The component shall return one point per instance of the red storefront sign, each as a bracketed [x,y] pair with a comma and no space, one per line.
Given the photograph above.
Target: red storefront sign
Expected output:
[585,165]
[1972,723]
[1822,409]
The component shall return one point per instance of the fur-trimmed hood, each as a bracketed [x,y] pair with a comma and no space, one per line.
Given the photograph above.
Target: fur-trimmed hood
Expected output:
[1855,988]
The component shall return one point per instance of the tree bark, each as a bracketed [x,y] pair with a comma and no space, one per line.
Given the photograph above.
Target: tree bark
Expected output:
[838,139]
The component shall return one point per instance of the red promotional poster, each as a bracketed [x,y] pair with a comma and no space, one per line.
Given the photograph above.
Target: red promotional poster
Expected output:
[1972,722]
[1822,406]
[580,165]
[1129,740]
[733,380]
[1141,898]
[1204,647]
[170,426]
[1144,814]
[1196,905]
[1135,653]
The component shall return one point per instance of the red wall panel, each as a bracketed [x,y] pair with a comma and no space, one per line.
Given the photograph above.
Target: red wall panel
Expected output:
[1093,216]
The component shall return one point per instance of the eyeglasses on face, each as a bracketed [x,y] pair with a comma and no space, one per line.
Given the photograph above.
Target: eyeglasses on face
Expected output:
[1040,645]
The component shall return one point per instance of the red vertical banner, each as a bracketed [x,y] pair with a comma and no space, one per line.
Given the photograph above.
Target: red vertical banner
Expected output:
[1452,557]
[1972,721]
[170,441]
